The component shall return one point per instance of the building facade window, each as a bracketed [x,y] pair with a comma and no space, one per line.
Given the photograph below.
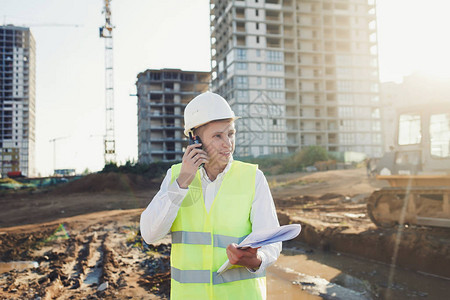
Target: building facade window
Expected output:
[274,68]
[345,112]
[276,137]
[241,82]
[244,151]
[343,60]
[347,138]
[242,95]
[274,56]
[376,139]
[344,86]
[376,113]
[241,66]
[241,54]
[275,95]
[343,72]
[275,83]
[376,125]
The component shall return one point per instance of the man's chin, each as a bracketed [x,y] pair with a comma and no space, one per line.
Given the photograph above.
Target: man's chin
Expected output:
[223,161]
[220,162]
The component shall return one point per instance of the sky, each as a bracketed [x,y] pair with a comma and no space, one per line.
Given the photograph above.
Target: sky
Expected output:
[153,34]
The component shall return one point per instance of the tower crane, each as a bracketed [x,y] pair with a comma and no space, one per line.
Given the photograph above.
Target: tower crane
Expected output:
[54,149]
[106,32]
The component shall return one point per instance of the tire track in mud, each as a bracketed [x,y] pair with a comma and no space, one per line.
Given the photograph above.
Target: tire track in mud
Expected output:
[83,256]
[60,265]
[104,259]
[77,270]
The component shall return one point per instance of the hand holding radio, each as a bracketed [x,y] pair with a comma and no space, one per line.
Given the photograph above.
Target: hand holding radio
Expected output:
[193,158]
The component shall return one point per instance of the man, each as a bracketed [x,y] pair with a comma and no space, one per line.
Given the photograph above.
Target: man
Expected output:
[210,203]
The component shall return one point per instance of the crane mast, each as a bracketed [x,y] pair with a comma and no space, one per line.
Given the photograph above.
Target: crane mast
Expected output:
[106,32]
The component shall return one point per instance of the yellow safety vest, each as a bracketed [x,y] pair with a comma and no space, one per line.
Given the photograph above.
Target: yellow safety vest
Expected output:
[199,239]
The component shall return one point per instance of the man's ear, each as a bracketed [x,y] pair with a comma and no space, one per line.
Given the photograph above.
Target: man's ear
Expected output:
[198,132]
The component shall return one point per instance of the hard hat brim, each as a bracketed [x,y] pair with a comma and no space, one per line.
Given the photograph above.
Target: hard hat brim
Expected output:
[186,132]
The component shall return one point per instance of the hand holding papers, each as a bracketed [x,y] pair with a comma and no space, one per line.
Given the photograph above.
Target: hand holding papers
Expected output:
[265,237]
[278,234]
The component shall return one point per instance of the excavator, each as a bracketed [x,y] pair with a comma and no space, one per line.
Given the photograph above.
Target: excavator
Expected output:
[417,169]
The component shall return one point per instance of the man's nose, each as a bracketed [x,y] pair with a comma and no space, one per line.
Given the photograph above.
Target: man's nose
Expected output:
[228,141]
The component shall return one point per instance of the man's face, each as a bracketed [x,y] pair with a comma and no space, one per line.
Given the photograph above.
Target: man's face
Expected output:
[218,141]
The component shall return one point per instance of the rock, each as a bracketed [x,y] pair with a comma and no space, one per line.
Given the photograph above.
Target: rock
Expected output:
[103,286]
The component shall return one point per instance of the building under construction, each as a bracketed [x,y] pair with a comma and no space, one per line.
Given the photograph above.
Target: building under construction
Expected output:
[299,73]
[17,100]
[162,97]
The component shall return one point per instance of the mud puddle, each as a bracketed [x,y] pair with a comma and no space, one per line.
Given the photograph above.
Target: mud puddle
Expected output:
[286,282]
[279,288]
[305,273]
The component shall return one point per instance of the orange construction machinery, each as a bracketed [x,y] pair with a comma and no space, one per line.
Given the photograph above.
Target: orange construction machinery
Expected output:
[417,169]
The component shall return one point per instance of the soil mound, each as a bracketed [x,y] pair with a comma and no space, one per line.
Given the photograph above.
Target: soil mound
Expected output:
[103,182]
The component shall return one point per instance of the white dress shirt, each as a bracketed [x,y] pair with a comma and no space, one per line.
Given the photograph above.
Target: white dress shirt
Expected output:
[157,218]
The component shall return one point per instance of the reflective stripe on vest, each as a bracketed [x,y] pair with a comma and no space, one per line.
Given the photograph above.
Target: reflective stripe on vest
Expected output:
[204,238]
[223,241]
[204,276]
[189,237]
[190,276]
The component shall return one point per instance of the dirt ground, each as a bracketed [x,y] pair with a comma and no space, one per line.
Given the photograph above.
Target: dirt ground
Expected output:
[331,206]
[84,235]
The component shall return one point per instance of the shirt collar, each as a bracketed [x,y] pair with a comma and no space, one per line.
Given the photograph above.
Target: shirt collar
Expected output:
[204,175]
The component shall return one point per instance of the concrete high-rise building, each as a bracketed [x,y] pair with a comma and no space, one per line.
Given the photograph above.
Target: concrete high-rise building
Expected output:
[162,97]
[17,100]
[299,72]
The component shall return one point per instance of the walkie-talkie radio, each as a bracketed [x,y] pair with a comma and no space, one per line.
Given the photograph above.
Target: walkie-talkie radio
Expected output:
[195,140]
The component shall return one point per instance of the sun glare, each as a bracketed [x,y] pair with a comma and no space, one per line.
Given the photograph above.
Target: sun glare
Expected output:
[413,37]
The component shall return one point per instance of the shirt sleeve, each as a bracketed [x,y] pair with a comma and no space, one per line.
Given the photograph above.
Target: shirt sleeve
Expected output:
[157,218]
[262,216]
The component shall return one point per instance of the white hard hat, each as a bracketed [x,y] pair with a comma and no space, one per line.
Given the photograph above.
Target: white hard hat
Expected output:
[205,108]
